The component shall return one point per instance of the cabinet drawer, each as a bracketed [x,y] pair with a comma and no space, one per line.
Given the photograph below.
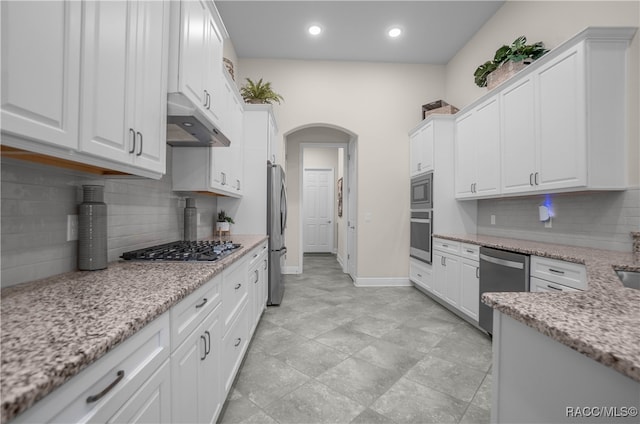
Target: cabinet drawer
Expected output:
[112,380]
[538,285]
[446,245]
[234,345]
[234,291]
[420,274]
[470,251]
[254,255]
[561,272]
[189,313]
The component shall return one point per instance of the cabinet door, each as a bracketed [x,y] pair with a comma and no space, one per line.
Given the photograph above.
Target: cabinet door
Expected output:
[427,137]
[465,155]
[470,288]
[151,85]
[108,90]
[255,298]
[452,279]
[415,154]
[210,396]
[213,84]
[487,130]
[439,274]
[195,373]
[519,137]
[41,70]
[562,113]
[192,48]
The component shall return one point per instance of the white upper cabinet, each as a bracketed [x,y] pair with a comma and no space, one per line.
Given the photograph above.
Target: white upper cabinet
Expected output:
[124,98]
[562,123]
[41,71]
[196,68]
[477,151]
[421,147]
[96,91]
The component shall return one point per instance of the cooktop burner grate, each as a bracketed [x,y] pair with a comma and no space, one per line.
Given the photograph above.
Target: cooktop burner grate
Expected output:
[183,251]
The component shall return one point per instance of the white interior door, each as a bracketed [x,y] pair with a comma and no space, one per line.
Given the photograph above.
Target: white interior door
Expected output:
[351,193]
[318,210]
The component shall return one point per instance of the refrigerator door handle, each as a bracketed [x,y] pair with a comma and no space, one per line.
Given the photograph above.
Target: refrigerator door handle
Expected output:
[283,205]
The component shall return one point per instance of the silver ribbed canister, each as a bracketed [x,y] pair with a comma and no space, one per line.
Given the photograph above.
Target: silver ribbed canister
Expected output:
[92,229]
[190,220]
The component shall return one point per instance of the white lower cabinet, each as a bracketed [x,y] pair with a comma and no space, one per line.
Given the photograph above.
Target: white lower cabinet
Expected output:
[105,391]
[177,369]
[234,345]
[553,275]
[420,274]
[195,373]
[456,277]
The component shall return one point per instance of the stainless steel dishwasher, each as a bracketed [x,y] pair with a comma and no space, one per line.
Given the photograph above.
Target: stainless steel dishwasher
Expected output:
[500,271]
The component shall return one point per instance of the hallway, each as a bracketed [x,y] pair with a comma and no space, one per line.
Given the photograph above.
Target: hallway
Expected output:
[335,353]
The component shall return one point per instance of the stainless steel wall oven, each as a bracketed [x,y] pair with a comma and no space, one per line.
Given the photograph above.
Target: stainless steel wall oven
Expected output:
[422,192]
[421,231]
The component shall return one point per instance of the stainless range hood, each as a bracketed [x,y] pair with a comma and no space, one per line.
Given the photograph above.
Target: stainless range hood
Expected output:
[187,125]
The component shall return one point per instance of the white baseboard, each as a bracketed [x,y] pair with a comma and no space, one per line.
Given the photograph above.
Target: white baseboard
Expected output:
[382,282]
[339,259]
[291,270]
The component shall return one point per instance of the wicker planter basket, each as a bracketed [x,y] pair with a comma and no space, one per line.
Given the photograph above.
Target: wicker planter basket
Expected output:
[504,72]
[438,107]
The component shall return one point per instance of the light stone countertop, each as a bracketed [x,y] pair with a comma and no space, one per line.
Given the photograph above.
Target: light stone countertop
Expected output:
[602,322]
[55,327]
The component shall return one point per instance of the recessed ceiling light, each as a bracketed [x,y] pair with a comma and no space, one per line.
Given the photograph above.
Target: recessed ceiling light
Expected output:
[315,30]
[394,32]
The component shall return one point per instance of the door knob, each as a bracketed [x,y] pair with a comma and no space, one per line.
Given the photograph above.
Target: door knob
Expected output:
[329,222]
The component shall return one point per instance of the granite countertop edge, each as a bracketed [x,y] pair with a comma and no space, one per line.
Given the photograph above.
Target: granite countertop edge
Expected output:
[566,317]
[28,376]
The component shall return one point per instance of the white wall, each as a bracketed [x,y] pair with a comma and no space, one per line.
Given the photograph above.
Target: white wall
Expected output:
[551,22]
[378,102]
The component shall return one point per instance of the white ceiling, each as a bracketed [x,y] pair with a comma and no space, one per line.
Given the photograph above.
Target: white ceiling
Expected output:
[433,31]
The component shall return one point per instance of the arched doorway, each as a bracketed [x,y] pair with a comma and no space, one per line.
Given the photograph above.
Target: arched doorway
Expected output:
[314,138]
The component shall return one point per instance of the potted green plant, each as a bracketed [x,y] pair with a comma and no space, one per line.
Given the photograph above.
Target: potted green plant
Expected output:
[507,61]
[224,222]
[259,92]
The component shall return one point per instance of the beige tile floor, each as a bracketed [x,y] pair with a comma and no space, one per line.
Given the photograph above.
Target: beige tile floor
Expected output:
[335,353]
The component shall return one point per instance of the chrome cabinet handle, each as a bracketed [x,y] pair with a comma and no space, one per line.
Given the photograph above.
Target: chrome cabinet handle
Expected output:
[419,166]
[207,350]
[477,272]
[469,251]
[93,398]
[556,271]
[257,276]
[133,142]
[536,178]
[141,140]
[238,286]
[206,99]
[265,264]
[238,184]
[202,358]
[553,288]
[445,245]
[238,342]
[200,305]
[531,179]
[419,275]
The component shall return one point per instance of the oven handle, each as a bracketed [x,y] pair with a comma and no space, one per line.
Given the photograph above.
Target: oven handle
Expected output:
[421,221]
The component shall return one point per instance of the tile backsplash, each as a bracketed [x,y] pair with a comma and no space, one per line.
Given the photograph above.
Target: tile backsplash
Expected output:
[602,220]
[36,200]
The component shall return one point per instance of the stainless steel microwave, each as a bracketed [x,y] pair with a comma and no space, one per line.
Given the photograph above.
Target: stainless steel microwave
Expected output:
[422,192]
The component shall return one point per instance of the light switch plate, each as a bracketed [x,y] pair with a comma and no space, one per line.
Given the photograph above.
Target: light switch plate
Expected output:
[72,227]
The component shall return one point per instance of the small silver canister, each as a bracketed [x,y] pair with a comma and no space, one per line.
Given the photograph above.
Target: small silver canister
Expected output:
[92,229]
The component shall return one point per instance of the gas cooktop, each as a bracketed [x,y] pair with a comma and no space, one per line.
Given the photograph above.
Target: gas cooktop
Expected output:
[183,251]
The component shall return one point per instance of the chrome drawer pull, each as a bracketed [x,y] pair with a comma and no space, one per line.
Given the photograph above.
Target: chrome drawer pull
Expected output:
[420,275]
[119,378]
[556,271]
[554,288]
[238,286]
[469,251]
[238,342]
[207,350]
[200,305]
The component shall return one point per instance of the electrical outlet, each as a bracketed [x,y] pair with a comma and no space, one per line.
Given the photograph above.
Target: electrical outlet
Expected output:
[547,224]
[493,220]
[72,227]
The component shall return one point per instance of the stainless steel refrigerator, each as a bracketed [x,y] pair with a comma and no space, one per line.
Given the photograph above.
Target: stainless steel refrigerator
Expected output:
[276,224]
